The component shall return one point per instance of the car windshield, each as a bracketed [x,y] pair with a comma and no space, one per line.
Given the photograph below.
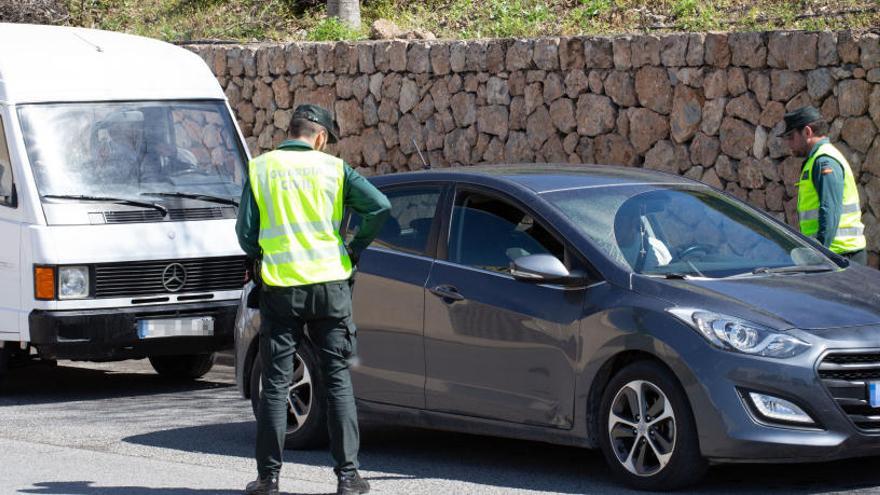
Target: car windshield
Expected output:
[133,149]
[684,230]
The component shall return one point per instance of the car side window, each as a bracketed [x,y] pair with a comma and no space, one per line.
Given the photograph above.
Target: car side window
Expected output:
[409,225]
[6,184]
[489,233]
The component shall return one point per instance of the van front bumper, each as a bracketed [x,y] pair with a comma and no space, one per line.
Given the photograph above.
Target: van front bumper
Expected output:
[111,334]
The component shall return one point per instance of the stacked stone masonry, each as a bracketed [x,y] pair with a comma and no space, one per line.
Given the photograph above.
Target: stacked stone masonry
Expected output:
[705,106]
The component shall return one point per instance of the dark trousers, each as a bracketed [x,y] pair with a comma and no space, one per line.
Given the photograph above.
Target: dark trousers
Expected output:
[860,257]
[325,309]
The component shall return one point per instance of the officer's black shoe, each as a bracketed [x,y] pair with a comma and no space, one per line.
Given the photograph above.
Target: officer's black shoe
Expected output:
[352,484]
[263,486]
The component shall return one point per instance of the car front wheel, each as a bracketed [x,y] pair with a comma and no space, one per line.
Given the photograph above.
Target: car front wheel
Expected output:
[648,435]
[306,406]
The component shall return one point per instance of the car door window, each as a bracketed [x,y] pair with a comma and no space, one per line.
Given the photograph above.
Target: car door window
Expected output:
[489,233]
[6,183]
[408,227]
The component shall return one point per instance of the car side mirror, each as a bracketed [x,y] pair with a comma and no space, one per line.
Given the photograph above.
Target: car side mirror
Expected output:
[543,268]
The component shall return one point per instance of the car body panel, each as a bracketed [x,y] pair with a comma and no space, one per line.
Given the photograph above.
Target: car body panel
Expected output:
[517,359]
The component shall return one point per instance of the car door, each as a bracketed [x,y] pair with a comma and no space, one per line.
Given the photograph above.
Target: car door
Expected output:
[10,248]
[497,347]
[389,299]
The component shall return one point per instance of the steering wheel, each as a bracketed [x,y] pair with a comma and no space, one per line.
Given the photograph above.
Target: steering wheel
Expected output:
[691,249]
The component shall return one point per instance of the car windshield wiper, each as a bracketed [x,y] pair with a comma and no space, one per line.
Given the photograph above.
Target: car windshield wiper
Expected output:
[109,199]
[202,197]
[793,269]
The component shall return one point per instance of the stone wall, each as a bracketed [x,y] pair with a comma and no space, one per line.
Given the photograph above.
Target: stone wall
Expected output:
[706,106]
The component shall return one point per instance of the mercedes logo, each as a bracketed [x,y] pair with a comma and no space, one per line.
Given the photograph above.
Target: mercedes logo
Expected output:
[174,277]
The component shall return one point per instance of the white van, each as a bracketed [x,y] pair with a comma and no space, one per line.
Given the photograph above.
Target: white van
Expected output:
[120,170]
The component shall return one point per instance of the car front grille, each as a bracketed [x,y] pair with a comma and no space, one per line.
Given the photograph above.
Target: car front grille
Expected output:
[846,376]
[146,277]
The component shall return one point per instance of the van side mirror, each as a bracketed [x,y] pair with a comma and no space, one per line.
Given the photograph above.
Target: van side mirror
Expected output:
[543,268]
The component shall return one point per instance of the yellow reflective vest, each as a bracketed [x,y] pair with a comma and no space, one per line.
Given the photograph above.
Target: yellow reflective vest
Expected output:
[300,198]
[850,231]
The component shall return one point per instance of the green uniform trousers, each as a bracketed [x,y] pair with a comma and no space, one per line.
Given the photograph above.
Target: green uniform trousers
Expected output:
[286,312]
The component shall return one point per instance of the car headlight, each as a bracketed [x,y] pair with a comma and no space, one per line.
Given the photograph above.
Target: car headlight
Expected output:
[73,282]
[737,335]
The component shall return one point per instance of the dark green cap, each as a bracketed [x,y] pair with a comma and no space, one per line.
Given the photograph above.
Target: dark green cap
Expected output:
[800,118]
[320,116]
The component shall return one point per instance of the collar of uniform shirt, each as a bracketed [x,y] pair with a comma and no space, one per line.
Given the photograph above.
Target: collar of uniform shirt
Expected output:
[815,146]
[294,144]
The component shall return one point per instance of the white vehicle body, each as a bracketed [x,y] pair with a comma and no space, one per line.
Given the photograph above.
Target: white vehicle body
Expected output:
[101,81]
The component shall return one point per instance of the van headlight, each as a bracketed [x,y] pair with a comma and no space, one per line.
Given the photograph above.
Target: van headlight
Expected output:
[73,282]
[737,335]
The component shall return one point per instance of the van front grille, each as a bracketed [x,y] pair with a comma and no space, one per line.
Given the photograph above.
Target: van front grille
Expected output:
[174,215]
[846,376]
[140,278]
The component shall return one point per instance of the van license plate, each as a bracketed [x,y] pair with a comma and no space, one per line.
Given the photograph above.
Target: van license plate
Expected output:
[874,393]
[202,326]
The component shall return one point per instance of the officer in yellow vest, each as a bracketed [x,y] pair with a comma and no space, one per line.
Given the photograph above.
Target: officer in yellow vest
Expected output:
[291,210]
[828,199]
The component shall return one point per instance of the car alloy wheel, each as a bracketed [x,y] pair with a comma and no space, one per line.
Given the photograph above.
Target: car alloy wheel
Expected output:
[641,427]
[299,397]
[647,430]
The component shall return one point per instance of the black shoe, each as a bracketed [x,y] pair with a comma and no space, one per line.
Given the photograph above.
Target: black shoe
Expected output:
[263,486]
[352,484]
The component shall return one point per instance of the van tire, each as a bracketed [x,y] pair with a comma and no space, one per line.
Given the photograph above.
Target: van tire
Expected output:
[185,367]
[4,363]
[312,432]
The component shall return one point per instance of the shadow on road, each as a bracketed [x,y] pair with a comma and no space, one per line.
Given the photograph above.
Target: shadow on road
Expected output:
[41,384]
[87,488]
[409,453]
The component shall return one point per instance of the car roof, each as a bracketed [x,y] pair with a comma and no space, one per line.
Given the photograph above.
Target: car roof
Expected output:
[66,64]
[542,178]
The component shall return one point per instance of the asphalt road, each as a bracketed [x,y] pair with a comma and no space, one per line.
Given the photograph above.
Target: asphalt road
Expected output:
[118,429]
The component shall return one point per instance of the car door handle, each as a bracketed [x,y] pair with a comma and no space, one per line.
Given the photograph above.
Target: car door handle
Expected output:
[447,292]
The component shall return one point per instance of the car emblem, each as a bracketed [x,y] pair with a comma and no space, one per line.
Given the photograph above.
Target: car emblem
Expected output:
[174,277]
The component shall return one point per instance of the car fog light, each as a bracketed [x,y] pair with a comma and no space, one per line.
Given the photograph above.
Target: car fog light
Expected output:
[776,409]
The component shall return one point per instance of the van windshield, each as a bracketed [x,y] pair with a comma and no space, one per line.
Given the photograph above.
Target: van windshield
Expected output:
[133,149]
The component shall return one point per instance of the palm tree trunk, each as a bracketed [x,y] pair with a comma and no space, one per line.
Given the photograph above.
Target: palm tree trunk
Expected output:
[348,11]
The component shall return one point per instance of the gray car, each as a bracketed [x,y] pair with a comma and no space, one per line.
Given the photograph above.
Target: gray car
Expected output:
[648,315]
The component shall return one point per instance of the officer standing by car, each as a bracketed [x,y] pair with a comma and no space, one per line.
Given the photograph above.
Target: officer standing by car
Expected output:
[828,199]
[290,216]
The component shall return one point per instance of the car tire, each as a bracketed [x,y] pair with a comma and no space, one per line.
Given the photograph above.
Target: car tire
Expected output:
[658,450]
[306,405]
[186,367]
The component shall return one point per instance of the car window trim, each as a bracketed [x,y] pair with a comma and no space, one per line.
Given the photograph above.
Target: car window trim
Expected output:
[458,187]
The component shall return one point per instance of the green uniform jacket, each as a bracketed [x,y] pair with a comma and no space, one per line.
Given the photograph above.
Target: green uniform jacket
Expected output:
[358,194]
[828,181]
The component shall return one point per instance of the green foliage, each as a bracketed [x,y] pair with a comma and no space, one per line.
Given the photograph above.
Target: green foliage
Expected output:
[265,20]
[332,29]
[507,18]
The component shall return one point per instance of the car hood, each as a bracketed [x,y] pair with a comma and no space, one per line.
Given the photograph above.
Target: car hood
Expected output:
[810,301]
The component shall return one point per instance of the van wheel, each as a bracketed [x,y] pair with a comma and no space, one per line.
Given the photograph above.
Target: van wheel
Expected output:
[186,367]
[4,363]
[306,401]
[647,431]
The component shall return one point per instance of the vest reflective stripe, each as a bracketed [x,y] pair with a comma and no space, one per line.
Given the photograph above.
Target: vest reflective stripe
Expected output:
[850,231]
[299,195]
[312,255]
[814,214]
[308,227]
